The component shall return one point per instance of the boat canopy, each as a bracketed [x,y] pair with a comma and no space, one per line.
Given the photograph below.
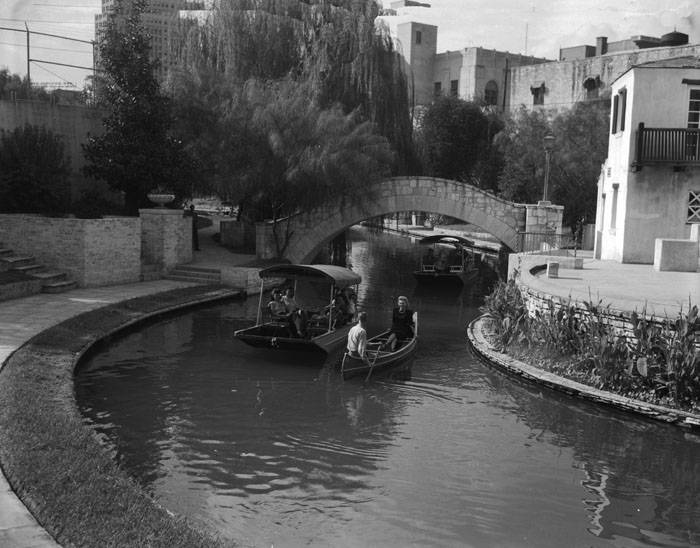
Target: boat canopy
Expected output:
[445,239]
[338,275]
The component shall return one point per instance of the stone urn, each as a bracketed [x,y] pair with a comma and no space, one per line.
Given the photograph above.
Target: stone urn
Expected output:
[160,197]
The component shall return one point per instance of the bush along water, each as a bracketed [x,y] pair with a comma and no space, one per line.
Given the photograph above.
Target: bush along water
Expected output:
[648,359]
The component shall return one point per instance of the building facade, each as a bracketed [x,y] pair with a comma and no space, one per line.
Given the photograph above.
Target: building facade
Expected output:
[473,73]
[650,185]
[161,21]
[580,76]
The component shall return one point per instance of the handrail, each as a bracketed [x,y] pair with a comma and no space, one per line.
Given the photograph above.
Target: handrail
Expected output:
[678,146]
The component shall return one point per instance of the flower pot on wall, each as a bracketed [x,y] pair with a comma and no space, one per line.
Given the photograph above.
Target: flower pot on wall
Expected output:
[160,198]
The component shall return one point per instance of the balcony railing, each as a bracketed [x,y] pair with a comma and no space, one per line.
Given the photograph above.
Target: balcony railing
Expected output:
[671,146]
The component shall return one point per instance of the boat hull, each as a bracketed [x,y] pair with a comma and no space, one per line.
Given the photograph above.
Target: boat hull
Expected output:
[381,362]
[276,336]
[445,277]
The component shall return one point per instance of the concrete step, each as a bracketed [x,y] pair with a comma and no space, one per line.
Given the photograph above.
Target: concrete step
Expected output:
[58,287]
[202,269]
[189,279]
[48,275]
[207,276]
[15,260]
[27,268]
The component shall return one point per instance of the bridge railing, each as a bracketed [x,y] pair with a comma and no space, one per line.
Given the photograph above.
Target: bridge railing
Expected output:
[547,242]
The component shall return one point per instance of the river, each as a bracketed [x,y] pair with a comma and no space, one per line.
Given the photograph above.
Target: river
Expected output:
[268,449]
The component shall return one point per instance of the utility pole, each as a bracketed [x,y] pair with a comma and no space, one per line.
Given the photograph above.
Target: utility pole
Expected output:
[29,78]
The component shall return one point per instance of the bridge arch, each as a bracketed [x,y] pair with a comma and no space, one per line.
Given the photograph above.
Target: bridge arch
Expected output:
[503,219]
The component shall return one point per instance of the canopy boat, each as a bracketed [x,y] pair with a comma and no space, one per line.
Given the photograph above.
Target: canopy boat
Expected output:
[323,331]
[441,265]
[379,359]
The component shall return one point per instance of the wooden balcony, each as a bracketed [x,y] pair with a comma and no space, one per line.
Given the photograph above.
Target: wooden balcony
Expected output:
[675,147]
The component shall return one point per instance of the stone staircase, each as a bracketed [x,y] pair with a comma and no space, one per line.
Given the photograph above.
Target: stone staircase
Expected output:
[21,275]
[195,274]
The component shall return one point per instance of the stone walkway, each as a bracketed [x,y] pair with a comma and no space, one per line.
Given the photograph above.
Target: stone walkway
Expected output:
[20,320]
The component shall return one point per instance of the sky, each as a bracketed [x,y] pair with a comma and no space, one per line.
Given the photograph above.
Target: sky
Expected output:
[535,27]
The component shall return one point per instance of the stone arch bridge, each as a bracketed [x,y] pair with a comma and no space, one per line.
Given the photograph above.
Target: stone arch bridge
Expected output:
[503,219]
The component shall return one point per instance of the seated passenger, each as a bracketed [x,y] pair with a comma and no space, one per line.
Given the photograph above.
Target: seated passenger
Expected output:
[401,324]
[296,314]
[277,308]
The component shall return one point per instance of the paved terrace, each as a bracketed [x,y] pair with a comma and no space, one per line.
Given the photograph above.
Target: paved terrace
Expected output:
[625,287]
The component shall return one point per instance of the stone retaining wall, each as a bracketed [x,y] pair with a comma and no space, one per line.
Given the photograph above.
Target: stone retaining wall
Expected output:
[480,344]
[93,252]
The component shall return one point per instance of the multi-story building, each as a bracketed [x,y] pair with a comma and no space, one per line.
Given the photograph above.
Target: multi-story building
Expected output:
[648,207]
[472,73]
[586,72]
[161,20]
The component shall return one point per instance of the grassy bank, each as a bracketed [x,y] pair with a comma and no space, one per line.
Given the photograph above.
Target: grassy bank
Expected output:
[56,464]
[654,360]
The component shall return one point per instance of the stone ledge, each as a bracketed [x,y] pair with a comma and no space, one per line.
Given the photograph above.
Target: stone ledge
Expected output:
[535,375]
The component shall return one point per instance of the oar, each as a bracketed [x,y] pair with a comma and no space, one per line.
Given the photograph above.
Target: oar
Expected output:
[371,365]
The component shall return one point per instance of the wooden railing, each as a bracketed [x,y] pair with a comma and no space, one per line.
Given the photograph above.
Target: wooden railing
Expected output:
[676,146]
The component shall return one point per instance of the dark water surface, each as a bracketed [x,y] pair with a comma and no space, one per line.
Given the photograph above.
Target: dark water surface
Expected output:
[268,452]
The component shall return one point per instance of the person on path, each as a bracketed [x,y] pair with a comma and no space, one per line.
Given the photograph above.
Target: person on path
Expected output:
[195,230]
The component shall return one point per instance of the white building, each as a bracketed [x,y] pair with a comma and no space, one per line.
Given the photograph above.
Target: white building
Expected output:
[650,185]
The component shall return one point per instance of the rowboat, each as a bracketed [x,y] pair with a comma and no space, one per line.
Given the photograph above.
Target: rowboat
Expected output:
[435,267]
[378,359]
[323,331]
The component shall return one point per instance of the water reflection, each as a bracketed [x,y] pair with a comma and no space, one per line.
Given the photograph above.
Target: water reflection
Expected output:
[268,449]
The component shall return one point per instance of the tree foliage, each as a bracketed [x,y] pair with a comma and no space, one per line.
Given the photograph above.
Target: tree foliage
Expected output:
[455,140]
[283,103]
[34,172]
[334,47]
[580,148]
[137,152]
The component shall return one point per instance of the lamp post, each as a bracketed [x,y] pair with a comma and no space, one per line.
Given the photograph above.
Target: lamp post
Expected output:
[548,143]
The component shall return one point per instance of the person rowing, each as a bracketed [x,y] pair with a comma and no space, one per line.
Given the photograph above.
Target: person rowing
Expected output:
[357,338]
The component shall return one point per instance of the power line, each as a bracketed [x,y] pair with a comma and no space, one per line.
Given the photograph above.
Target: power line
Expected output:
[46,47]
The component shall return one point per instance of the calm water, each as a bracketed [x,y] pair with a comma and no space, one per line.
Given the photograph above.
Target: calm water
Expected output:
[268,452]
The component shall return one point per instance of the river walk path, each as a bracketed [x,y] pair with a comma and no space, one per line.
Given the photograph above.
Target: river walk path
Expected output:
[626,287]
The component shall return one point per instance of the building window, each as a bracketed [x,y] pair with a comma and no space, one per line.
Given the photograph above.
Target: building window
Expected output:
[419,37]
[693,207]
[623,108]
[491,93]
[537,94]
[619,111]
[691,141]
[454,87]
[613,212]
[591,85]
[437,89]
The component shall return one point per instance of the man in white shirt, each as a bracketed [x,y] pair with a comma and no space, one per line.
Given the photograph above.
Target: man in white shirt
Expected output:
[357,337]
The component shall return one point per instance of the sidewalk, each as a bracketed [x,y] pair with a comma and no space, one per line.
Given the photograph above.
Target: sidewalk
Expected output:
[20,320]
[625,287]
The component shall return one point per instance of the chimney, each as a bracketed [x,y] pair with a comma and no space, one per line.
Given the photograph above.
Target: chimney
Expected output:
[601,45]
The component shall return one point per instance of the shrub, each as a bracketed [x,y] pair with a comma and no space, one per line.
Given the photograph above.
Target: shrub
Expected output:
[33,172]
[507,308]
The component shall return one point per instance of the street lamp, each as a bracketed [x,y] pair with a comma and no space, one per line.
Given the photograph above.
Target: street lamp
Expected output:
[548,143]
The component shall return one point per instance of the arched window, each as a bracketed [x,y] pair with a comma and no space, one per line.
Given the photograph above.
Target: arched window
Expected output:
[491,93]
[592,85]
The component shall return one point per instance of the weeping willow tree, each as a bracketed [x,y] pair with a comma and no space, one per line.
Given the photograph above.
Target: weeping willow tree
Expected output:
[335,47]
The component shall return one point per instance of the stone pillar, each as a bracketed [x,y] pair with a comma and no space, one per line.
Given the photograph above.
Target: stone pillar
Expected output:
[166,238]
[543,220]
[264,240]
